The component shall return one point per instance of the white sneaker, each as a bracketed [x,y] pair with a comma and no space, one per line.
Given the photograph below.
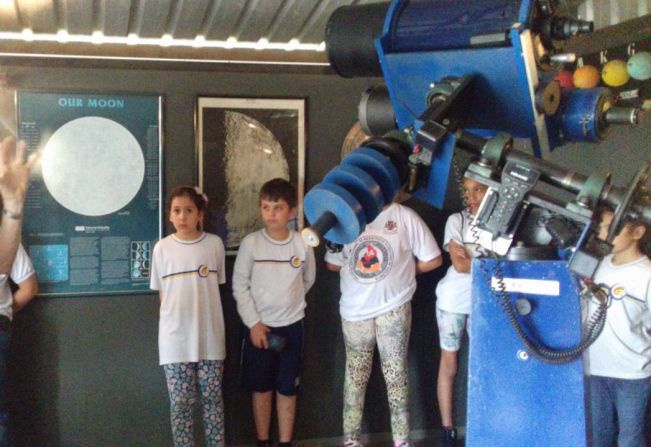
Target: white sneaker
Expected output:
[353,443]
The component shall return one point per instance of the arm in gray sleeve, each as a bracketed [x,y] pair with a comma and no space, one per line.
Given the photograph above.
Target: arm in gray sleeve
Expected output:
[242,286]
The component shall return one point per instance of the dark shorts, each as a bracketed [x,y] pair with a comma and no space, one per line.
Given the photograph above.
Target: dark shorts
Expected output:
[267,370]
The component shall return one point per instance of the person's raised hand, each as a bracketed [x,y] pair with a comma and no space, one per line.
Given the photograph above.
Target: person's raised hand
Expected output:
[14,172]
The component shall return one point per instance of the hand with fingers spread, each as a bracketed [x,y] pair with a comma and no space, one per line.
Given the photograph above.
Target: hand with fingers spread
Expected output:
[14,173]
[14,177]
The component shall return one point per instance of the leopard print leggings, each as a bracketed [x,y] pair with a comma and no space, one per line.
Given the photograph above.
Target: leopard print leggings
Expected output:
[390,332]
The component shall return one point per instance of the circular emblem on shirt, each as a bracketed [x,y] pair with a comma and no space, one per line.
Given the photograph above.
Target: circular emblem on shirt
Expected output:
[203,271]
[618,291]
[295,262]
[371,259]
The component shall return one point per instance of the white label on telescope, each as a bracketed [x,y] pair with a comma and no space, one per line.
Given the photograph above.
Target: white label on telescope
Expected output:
[531,286]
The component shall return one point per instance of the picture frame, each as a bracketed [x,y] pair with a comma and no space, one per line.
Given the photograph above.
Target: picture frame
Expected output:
[241,144]
[99,183]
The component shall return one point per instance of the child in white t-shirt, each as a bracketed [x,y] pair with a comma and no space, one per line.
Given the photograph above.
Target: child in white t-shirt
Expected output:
[453,300]
[619,361]
[187,269]
[378,279]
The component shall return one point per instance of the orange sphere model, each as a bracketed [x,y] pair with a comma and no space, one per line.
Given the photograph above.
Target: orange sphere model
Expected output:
[586,77]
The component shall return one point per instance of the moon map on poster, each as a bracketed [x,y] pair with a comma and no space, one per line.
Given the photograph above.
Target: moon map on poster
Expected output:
[247,170]
[92,212]
[93,166]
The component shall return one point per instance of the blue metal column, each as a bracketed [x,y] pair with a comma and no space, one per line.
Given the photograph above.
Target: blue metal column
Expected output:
[514,399]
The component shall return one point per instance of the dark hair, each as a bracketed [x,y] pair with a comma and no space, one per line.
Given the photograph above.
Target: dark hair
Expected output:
[629,224]
[190,192]
[644,243]
[277,189]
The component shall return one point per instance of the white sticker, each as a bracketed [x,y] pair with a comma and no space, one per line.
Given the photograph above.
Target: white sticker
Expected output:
[531,286]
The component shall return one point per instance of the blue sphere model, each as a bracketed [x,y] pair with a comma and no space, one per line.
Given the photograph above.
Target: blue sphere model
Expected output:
[639,66]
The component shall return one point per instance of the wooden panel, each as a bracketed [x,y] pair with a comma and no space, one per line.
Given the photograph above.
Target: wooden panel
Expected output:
[9,19]
[191,19]
[622,34]
[292,22]
[256,24]
[39,15]
[116,17]
[313,30]
[223,24]
[154,18]
[77,16]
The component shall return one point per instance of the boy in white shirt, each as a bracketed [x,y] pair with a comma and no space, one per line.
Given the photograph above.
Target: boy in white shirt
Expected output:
[274,269]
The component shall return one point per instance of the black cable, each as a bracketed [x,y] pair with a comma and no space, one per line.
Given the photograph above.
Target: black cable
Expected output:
[593,328]
[544,353]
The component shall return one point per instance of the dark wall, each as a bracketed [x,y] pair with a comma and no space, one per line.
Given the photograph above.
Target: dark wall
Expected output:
[84,370]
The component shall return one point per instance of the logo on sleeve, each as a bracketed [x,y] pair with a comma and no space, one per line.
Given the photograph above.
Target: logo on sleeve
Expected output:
[391,227]
[371,259]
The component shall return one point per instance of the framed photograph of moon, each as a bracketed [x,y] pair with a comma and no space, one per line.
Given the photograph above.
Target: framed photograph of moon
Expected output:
[242,143]
[93,208]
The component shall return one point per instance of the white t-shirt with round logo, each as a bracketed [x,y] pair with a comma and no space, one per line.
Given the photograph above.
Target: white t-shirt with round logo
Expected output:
[188,274]
[378,270]
[623,350]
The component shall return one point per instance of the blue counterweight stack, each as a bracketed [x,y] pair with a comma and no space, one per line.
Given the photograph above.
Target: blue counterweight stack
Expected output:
[350,196]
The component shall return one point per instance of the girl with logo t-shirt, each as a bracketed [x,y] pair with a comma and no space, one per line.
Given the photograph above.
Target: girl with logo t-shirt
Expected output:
[453,300]
[187,268]
[378,279]
[619,361]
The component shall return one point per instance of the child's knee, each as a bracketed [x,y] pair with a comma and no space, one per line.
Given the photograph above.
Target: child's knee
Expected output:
[448,365]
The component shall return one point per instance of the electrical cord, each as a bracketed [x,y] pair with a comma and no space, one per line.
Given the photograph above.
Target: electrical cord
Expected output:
[592,330]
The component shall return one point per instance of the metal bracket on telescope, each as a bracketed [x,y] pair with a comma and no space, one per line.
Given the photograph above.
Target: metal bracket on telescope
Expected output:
[312,235]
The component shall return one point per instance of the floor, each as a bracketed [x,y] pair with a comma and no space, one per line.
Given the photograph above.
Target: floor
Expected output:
[420,438]
[426,439]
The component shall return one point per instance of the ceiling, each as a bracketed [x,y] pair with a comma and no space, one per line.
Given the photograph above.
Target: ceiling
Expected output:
[32,27]
[181,32]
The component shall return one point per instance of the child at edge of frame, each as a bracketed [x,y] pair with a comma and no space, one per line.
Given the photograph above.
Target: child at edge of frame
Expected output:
[273,271]
[187,269]
[618,363]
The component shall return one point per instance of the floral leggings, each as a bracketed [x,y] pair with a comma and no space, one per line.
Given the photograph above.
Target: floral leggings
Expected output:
[184,382]
[390,332]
